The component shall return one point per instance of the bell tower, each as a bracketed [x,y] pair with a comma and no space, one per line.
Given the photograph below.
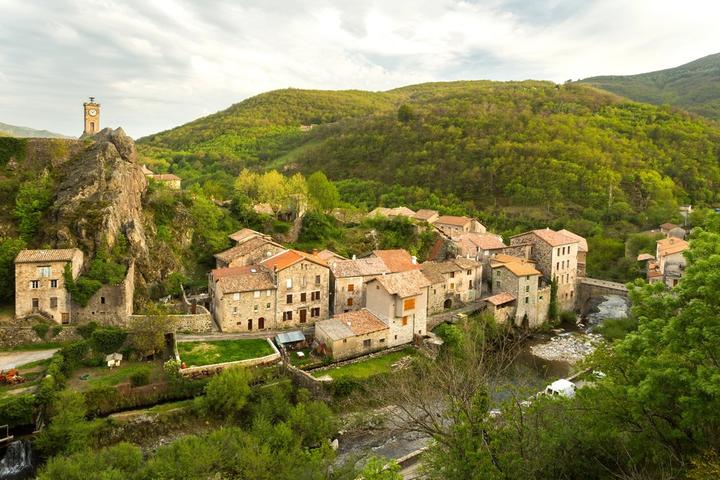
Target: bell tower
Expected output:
[92,117]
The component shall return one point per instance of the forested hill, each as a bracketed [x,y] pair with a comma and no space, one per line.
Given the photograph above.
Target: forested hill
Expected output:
[26,132]
[548,151]
[694,86]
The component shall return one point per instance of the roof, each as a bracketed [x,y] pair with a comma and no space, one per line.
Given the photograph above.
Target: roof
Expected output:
[645,256]
[582,243]
[248,278]
[500,299]
[454,265]
[671,245]
[334,328]
[289,337]
[398,260]
[264,208]
[668,226]
[424,214]
[360,267]
[505,258]
[403,284]
[483,241]
[362,321]
[392,212]
[245,234]
[551,237]
[433,275]
[165,177]
[329,255]
[245,248]
[453,220]
[53,255]
[519,269]
[291,257]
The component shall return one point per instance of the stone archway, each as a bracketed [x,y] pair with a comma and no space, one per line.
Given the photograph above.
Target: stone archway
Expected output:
[447,304]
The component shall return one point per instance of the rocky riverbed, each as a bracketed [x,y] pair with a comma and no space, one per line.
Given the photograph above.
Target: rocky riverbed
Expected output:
[570,347]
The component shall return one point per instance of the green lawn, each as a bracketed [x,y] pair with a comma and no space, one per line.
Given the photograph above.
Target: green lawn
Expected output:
[85,378]
[367,368]
[219,351]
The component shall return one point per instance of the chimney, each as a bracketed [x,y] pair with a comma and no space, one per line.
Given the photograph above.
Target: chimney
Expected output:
[414,260]
[314,252]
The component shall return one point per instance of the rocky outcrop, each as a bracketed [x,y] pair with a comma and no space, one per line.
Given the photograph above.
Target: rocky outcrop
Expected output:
[99,196]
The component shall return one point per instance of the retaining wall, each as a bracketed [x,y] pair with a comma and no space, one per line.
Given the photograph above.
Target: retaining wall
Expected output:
[201,322]
[210,370]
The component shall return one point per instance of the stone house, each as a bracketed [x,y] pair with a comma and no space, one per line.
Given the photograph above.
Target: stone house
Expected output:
[582,251]
[347,282]
[453,226]
[168,179]
[670,263]
[665,228]
[250,250]
[396,260]
[352,334]
[40,284]
[501,306]
[556,256]
[520,279]
[425,215]
[111,304]
[303,288]
[243,299]
[392,212]
[454,283]
[245,234]
[400,301]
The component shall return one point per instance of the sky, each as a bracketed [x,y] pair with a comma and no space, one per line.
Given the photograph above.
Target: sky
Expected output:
[156,64]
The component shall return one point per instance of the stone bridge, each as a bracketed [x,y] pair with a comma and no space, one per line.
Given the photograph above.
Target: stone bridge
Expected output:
[592,287]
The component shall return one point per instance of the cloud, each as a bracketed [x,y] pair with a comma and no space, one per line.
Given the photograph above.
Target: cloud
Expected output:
[154,65]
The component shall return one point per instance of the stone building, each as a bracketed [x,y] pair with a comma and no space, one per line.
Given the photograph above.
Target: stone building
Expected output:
[303,288]
[453,283]
[582,251]
[392,212]
[396,260]
[352,334]
[425,215]
[521,280]
[170,180]
[243,299]
[501,306]
[249,250]
[40,284]
[556,256]
[347,282]
[400,301]
[453,226]
[110,305]
[670,263]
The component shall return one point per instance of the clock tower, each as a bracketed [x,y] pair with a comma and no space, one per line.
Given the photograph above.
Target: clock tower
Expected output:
[92,117]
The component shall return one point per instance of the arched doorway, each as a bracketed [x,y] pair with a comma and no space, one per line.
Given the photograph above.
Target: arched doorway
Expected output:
[250,324]
[448,304]
[261,323]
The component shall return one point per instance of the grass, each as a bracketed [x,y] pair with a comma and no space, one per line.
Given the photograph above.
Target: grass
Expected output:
[366,368]
[106,377]
[307,360]
[219,351]
[616,328]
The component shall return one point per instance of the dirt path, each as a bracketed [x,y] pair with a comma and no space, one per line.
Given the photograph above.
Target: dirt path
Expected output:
[13,359]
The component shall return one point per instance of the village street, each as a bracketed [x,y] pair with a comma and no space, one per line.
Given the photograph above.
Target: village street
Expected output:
[10,360]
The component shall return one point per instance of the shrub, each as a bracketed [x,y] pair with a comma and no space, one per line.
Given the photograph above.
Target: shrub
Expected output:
[141,377]
[55,330]
[75,354]
[343,387]
[17,410]
[68,431]
[101,399]
[227,393]
[107,339]
[617,328]
[568,317]
[87,329]
[280,227]
[171,368]
[41,329]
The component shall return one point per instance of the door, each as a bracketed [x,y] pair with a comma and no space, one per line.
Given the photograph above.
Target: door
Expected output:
[65,318]
[250,324]
[303,315]
[261,323]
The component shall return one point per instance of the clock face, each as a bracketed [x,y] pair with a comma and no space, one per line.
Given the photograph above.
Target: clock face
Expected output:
[92,112]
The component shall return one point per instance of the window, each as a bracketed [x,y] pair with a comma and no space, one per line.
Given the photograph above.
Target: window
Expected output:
[303,297]
[235,310]
[527,299]
[367,343]
[288,298]
[256,308]
[527,288]
[288,283]
[53,302]
[452,286]
[268,293]
[35,303]
[497,283]
[267,306]
[236,296]
[452,274]
[35,284]
[315,295]
[256,294]
[53,283]
[470,285]
[351,287]
[303,281]
[102,300]
[317,279]
[315,312]
[44,272]
[350,302]
[409,304]
[469,272]
[382,340]
[287,316]
[557,265]
[404,320]
[344,340]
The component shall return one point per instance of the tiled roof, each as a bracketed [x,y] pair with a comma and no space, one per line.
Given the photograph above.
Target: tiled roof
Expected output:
[398,260]
[505,258]
[433,276]
[454,265]
[392,212]
[243,279]
[466,263]
[403,284]
[519,269]
[424,214]
[453,220]
[245,248]
[483,241]
[334,328]
[329,255]
[582,243]
[362,321]
[645,256]
[500,299]
[551,237]
[360,267]
[668,246]
[668,226]
[54,255]
[245,234]
[291,257]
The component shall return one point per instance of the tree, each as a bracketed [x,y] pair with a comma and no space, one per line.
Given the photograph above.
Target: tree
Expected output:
[33,198]
[323,192]
[121,461]
[9,248]
[405,113]
[68,431]
[147,332]
[227,393]
[273,190]
[379,469]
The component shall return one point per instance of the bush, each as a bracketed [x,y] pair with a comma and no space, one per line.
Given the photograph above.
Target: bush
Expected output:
[107,339]
[343,387]
[68,431]
[41,329]
[141,377]
[616,328]
[55,330]
[17,410]
[74,354]
[227,393]
[101,399]
[568,317]
[86,330]
[280,227]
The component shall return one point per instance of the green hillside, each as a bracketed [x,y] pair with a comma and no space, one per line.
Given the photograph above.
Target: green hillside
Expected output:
[694,86]
[25,132]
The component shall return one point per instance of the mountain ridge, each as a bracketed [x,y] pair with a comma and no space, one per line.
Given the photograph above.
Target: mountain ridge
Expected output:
[27,132]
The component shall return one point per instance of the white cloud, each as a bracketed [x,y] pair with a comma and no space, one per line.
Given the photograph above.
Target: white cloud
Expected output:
[155,65]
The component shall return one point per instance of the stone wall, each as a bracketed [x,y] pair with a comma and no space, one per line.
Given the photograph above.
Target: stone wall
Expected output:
[200,322]
[210,370]
[111,305]
[12,336]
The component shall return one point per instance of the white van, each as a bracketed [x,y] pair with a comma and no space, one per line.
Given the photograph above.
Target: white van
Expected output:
[562,387]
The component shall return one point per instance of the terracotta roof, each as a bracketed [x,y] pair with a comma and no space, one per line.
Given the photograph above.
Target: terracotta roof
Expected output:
[362,321]
[645,256]
[466,263]
[403,284]
[500,299]
[519,269]
[243,279]
[165,176]
[334,328]
[483,241]
[551,237]
[433,276]
[328,255]
[291,257]
[453,220]
[668,226]
[245,234]
[245,248]
[360,267]
[53,255]
[582,243]
[668,246]
[505,258]
[654,274]
[398,260]
[392,212]
[448,266]
[424,214]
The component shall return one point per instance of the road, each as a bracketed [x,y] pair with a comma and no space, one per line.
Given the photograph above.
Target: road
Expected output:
[13,359]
